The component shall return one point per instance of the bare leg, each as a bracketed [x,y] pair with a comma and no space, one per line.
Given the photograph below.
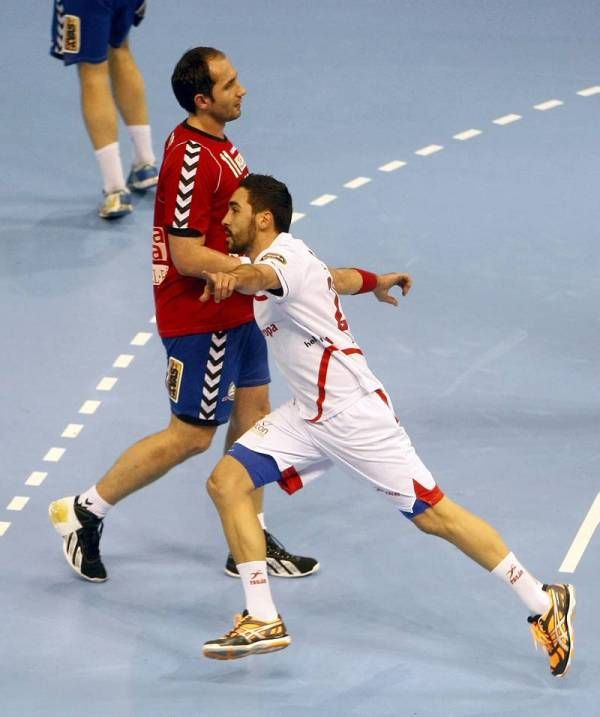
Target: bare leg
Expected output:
[469,533]
[97,104]
[128,85]
[231,490]
[149,459]
[251,404]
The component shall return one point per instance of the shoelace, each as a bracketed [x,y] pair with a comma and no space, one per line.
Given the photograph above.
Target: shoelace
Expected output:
[90,537]
[277,547]
[541,637]
[238,620]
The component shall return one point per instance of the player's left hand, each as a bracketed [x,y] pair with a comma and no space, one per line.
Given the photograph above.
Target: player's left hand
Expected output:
[386,281]
[219,285]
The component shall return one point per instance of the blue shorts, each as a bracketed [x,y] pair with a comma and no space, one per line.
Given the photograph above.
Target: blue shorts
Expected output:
[204,371]
[82,30]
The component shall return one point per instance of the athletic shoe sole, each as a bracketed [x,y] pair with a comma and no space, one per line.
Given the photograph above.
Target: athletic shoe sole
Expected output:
[570,618]
[229,652]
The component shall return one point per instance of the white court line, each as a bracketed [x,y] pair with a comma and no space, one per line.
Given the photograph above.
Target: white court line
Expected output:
[72,430]
[36,478]
[589,91]
[392,166]
[507,119]
[107,383]
[141,339]
[297,216]
[358,182]
[429,149]
[548,105]
[152,320]
[89,407]
[18,502]
[323,200]
[123,360]
[4,526]
[467,134]
[54,455]
[583,537]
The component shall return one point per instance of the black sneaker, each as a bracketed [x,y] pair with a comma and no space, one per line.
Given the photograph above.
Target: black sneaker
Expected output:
[279,562]
[249,636]
[81,531]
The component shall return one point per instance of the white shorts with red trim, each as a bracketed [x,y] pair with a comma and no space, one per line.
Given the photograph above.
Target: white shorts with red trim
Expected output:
[364,440]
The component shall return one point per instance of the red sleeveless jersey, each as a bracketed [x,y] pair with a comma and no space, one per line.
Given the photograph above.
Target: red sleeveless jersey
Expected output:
[198,175]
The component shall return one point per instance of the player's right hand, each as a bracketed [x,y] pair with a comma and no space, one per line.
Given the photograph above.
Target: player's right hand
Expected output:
[219,285]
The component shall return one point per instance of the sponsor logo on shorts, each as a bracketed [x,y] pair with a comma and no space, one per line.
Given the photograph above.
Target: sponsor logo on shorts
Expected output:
[257,578]
[277,257]
[270,330]
[260,428]
[230,393]
[388,492]
[513,574]
[173,378]
[72,34]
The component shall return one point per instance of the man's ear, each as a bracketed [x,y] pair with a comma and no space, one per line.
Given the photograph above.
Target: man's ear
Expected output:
[201,101]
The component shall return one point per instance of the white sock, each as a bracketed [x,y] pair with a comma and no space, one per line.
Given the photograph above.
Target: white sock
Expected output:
[141,137]
[523,583]
[92,501]
[255,580]
[111,168]
[261,520]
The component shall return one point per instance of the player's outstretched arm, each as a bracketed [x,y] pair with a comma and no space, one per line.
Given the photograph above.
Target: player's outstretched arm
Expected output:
[245,279]
[359,281]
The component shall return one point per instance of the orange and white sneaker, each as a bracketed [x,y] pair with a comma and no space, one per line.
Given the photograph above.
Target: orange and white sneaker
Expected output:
[248,637]
[554,629]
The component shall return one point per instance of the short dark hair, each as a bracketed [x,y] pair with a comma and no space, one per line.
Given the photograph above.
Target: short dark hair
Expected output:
[267,193]
[191,76]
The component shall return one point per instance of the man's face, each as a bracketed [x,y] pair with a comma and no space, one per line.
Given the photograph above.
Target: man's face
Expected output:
[227,92]
[240,222]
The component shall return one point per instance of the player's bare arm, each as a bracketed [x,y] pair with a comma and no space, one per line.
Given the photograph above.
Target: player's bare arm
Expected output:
[350,281]
[191,258]
[245,279]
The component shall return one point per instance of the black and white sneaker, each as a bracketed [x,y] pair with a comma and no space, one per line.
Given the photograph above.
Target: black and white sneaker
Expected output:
[81,531]
[280,563]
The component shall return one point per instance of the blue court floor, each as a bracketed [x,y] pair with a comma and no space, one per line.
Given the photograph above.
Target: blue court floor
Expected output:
[477,126]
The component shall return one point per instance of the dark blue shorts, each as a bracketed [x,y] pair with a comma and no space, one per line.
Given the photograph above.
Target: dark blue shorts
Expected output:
[204,371]
[83,30]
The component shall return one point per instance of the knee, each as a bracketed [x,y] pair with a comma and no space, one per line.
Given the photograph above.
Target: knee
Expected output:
[190,439]
[431,523]
[218,486]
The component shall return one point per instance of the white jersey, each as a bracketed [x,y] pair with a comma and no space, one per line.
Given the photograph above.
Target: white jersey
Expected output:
[307,333]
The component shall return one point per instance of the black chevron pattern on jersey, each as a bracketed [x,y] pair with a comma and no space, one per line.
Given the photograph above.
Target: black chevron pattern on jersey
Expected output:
[212,376]
[185,188]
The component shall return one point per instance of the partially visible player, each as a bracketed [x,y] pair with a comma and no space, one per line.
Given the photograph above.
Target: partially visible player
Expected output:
[340,415]
[93,35]
[217,368]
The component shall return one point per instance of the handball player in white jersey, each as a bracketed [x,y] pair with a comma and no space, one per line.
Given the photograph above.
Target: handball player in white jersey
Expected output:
[339,415]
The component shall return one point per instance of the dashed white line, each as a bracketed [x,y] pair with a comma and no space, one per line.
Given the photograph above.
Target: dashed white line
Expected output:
[583,537]
[107,383]
[357,182]
[141,338]
[392,166]
[297,216]
[89,407]
[18,502]
[4,526]
[507,119]
[36,478]
[467,134]
[548,105]
[589,91]
[123,361]
[54,455]
[429,149]
[72,430]
[323,200]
